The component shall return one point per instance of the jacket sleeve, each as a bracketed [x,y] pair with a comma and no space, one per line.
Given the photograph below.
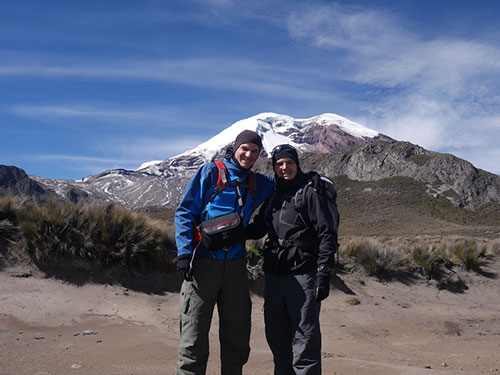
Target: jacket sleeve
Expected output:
[265,186]
[188,212]
[259,227]
[323,223]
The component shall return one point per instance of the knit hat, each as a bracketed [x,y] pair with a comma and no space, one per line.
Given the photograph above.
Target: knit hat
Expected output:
[247,136]
[285,151]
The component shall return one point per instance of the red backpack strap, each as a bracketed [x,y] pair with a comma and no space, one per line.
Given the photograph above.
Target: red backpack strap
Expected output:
[222,179]
[251,182]
[221,182]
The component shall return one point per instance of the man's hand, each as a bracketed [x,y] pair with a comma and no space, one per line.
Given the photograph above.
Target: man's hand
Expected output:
[322,285]
[183,267]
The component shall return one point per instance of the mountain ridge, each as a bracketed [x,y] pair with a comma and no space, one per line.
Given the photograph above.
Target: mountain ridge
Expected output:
[329,144]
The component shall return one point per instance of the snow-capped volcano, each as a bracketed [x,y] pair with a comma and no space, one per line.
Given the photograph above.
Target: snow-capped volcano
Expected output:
[324,133]
[161,183]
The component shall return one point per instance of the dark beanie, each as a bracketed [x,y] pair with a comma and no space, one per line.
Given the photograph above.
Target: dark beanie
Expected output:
[285,151]
[247,136]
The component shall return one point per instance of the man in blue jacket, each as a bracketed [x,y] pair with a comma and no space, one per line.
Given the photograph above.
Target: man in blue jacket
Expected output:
[217,276]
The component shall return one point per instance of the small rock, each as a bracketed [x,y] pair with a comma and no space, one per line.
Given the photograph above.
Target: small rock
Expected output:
[89,332]
[75,366]
[444,364]
[22,274]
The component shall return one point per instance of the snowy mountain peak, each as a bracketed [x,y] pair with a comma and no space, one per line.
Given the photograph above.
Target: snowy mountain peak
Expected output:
[276,129]
[322,134]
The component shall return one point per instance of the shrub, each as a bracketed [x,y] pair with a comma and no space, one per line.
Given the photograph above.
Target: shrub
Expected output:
[377,261]
[493,247]
[50,231]
[105,235]
[467,254]
[426,260]
[8,219]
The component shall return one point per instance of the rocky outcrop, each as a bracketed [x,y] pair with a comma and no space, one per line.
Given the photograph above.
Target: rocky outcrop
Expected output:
[15,181]
[444,174]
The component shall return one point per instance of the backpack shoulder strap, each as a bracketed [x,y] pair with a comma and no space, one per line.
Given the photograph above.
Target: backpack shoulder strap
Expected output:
[299,199]
[221,182]
[251,182]
[222,179]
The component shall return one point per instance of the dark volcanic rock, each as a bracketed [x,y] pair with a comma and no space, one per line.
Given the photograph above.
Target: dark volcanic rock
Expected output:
[15,181]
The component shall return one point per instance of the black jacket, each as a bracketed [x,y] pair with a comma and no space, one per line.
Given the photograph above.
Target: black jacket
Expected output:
[300,238]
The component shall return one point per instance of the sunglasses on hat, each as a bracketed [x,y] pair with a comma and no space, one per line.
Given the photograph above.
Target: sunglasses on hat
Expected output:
[286,148]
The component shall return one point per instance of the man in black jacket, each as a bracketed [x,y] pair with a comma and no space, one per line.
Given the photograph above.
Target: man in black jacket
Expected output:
[297,262]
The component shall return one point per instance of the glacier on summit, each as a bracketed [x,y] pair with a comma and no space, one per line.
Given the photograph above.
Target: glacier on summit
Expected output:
[324,133]
[161,183]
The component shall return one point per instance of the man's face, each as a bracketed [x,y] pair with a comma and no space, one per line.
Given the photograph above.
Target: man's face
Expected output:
[285,168]
[247,154]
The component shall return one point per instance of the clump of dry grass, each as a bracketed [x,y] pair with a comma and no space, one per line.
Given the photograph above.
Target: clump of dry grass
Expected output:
[467,254]
[493,247]
[426,260]
[105,235]
[432,256]
[375,259]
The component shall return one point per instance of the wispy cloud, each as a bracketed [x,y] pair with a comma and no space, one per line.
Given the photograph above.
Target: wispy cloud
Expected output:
[121,153]
[426,89]
[146,148]
[218,73]
[153,115]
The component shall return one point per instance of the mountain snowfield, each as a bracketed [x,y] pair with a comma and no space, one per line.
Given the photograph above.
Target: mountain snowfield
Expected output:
[274,129]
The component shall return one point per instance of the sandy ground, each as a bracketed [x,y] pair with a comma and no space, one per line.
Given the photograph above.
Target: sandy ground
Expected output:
[51,327]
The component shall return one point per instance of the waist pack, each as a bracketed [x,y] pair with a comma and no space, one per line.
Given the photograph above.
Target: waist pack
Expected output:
[222,231]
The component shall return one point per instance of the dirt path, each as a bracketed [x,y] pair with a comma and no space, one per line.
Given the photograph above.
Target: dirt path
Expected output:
[50,327]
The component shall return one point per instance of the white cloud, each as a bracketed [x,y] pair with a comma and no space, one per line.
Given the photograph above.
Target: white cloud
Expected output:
[219,73]
[145,149]
[441,92]
[150,114]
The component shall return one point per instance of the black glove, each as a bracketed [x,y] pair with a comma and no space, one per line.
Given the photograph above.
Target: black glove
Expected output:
[322,285]
[183,267]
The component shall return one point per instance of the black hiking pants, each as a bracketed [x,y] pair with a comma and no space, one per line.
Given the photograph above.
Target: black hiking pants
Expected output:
[291,316]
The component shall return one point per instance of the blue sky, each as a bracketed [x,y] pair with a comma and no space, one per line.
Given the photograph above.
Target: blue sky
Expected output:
[87,86]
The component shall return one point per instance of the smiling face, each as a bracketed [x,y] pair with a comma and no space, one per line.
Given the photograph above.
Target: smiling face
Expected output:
[247,154]
[285,168]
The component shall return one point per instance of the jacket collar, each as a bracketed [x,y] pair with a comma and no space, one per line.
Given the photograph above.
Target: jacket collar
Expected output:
[234,168]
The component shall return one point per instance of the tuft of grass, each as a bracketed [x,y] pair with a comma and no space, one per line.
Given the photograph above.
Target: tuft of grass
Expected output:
[419,159]
[353,301]
[426,260]
[493,247]
[467,254]
[8,217]
[105,235]
[377,260]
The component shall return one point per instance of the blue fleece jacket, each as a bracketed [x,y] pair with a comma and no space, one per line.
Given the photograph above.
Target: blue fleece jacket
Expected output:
[199,190]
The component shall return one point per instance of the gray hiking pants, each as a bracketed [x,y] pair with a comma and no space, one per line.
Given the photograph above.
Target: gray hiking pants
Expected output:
[224,283]
[291,315]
